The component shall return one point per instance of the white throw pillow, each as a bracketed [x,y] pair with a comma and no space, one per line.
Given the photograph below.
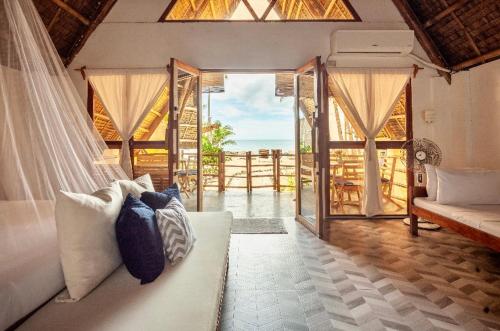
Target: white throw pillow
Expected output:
[136,186]
[87,241]
[468,187]
[432,182]
[176,231]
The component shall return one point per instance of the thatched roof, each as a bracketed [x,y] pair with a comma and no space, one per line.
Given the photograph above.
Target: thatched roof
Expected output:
[455,34]
[71,22]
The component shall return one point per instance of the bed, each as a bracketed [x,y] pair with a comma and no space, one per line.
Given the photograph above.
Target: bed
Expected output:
[30,271]
[477,222]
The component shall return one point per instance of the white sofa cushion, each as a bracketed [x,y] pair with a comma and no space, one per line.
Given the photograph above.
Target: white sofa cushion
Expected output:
[87,241]
[176,231]
[482,217]
[468,187]
[184,297]
[431,185]
[136,186]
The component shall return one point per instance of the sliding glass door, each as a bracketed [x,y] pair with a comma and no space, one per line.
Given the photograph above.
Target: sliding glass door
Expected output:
[184,133]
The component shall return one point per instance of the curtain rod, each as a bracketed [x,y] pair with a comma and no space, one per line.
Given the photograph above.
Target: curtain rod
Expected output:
[83,68]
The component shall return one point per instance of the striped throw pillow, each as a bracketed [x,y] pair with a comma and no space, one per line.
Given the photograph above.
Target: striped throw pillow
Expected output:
[176,231]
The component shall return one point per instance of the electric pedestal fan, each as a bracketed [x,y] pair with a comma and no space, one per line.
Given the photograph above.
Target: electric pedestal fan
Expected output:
[424,151]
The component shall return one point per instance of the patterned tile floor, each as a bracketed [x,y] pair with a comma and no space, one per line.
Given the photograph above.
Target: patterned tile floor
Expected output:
[371,275]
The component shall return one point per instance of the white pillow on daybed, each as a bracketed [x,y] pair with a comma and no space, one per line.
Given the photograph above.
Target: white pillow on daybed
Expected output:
[468,187]
[87,241]
[136,186]
[431,185]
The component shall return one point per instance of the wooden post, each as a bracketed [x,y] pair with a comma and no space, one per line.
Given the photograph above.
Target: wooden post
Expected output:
[413,225]
[223,171]
[273,154]
[278,170]
[249,171]
[220,171]
[131,150]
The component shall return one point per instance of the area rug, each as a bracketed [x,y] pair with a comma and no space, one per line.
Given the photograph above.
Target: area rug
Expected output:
[258,226]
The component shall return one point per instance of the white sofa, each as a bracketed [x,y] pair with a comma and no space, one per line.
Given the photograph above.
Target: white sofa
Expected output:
[184,297]
[477,222]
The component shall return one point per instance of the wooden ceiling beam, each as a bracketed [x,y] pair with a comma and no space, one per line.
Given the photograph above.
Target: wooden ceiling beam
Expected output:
[70,10]
[82,39]
[423,38]
[471,41]
[477,60]
[268,10]
[54,19]
[444,13]
[250,9]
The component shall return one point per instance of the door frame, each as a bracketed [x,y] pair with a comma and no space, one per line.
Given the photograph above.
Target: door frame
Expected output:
[318,142]
[173,126]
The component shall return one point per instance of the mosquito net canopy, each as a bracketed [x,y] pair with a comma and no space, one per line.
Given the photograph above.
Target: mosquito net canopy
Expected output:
[47,144]
[47,139]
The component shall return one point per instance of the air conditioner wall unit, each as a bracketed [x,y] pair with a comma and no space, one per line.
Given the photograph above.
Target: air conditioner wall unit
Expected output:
[372,42]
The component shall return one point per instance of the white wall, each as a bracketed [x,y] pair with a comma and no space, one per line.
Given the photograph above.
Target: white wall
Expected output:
[467,122]
[467,116]
[131,37]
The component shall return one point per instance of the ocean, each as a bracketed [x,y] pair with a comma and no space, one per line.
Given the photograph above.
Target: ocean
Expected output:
[254,145]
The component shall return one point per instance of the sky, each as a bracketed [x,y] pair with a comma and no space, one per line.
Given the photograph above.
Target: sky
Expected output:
[251,108]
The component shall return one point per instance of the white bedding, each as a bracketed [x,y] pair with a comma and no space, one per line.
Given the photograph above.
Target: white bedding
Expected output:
[184,297]
[30,271]
[483,217]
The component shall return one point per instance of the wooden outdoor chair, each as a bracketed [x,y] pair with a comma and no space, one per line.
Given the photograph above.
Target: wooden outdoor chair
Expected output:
[349,183]
[188,175]
[387,172]
[306,168]
[154,164]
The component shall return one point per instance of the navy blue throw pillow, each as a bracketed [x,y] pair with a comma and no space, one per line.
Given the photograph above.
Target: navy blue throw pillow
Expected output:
[158,200]
[139,240]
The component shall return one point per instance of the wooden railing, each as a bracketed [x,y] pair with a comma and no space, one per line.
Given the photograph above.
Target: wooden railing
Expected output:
[224,167]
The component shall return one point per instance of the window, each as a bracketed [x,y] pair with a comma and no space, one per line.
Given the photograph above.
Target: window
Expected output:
[259,10]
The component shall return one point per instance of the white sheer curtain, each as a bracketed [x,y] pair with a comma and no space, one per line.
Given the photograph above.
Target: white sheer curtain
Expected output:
[370,96]
[127,96]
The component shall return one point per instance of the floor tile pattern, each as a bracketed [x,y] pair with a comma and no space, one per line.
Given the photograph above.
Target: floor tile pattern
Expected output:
[370,275]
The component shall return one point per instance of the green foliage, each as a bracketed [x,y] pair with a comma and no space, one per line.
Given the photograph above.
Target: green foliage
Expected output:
[214,142]
[305,148]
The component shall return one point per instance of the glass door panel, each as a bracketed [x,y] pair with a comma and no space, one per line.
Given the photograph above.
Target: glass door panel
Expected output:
[306,117]
[184,133]
[307,114]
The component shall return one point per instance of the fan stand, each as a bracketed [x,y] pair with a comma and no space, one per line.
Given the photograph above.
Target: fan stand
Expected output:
[423,224]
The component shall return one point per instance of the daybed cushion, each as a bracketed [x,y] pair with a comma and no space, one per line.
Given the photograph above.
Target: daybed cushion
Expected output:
[139,240]
[184,297]
[136,186]
[87,240]
[30,268]
[483,217]
[468,187]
